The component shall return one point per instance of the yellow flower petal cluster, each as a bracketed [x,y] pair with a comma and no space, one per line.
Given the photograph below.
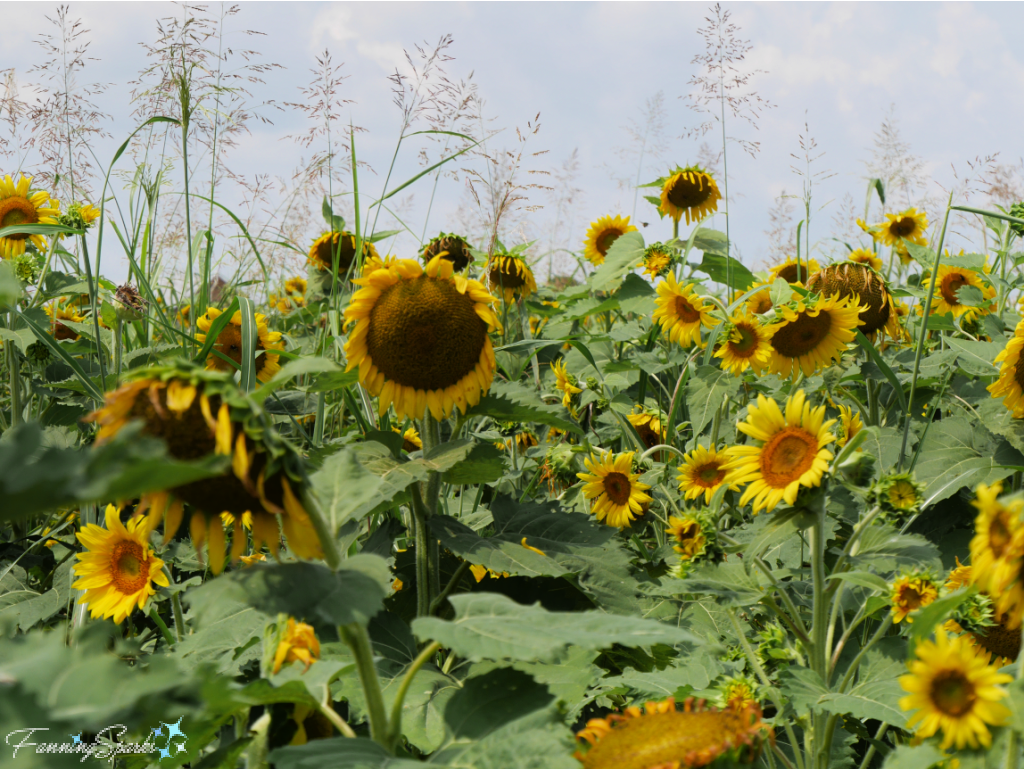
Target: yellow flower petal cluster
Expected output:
[511,276]
[602,234]
[19,205]
[1010,384]
[793,272]
[682,313]
[808,337]
[997,551]
[615,490]
[691,192]
[910,593]
[948,283]
[703,472]
[850,424]
[229,344]
[298,644]
[745,344]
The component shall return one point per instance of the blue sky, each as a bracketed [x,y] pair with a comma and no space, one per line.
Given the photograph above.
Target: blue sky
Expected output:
[949,72]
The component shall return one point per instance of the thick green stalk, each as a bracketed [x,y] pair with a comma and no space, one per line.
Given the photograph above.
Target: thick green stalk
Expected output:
[395,727]
[432,439]
[423,592]
[118,329]
[13,370]
[358,640]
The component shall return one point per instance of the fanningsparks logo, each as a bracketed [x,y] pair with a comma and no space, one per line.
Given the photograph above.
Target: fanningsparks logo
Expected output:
[167,740]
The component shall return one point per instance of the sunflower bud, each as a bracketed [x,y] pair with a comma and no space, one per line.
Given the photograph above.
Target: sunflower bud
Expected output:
[26,267]
[899,496]
[38,353]
[79,216]
[129,304]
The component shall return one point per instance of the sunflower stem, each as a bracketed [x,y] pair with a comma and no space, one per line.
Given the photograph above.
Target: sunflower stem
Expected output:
[872,403]
[117,352]
[870,753]
[324,531]
[922,336]
[358,640]
[13,370]
[819,630]
[431,440]
[164,631]
[419,515]
[179,621]
[395,726]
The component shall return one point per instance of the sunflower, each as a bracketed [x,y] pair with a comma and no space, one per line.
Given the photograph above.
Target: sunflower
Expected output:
[648,426]
[793,272]
[617,494]
[660,736]
[746,345]
[739,693]
[452,248]
[410,439]
[948,282]
[899,496]
[865,256]
[808,337]
[63,310]
[761,302]
[849,425]
[997,638]
[79,216]
[657,259]
[511,276]
[689,191]
[419,338]
[997,534]
[897,229]
[118,568]
[703,472]
[19,205]
[1010,384]
[321,253]
[229,344]
[602,234]
[688,533]
[310,724]
[566,383]
[295,286]
[862,285]
[910,593]
[953,688]
[298,643]
[791,451]
[524,440]
[681,312]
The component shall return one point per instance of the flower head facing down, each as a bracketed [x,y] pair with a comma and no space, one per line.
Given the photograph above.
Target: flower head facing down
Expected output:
[689,192]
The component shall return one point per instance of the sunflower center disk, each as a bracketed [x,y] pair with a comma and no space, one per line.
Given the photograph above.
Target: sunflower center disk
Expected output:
[793,273]
[803,335]
[709,475]
[685,310]
[1018,372]
[17,210]
[688,194]
[743,342]
[901,495]
[229,342]
[605,240]
[998,536]
[126,565]
[1001,641]
[950,285]
[911,598]
[903,226]
[617,487]
[506,277]
[424,334]
[953,693]
[787,456]
[346,251]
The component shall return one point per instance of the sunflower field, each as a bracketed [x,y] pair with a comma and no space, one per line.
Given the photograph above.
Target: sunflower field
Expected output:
[427,507]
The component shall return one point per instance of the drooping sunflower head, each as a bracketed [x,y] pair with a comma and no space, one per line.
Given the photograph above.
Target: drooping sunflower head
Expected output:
[899,495]
[602,234]
[745,343]
[63,310]
[911,592]
[118,569]
[660,736]
[419,337]
[228,347]
[523,440]
[20,205]
[952,688]
[789,451]
[947,299]
[809,336]
[849,425]
[689,192]
[567,385]
[511,276]
[648,426]
[1010,384]
[559,468]
[682,312]
[865,256]
[862,285]
[452,248]
[341,244]
[910,225]
[703,472]
[795,272]
[297,643]
[618,496]
[658,258]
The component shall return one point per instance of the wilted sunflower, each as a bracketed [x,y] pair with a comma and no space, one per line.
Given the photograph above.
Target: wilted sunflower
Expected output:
[511,276]
[648,426]
[909,593]
[118,568]
[949,281]
[566,383]
[745,343]
[865,256]
[452,248]
[298,643]
[792,272]
[908,226]
[660,736]
[703,472]
[63,309]
[809,337]
[657,259]
[19,205]
[791,451]
[849,425]
[229,344]
[199,414]
[419,336]
[682,313]
[602,234]
[321,253]
[862,285]
[953,688]
[691,192]
[1010,384]
[617,494]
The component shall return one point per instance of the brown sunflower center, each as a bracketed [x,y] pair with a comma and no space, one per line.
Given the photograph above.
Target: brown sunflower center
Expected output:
[504,274]
[1018,372]
[344,243]
[847,280]
[1001,641]
[761,303]
[129,567]
[648,435]
[17,210]
[424,334]
[910,598]
[999,535]
[803,335]
[229,343]
[458,252]
[709,475]
[666,739]
[685,193]
[953,693]
[605,239]
[787,456]
[793,273]
[743,342]
[617,487]
[62,332]
[685,311]
[952,283]
[187,434]
[903,227]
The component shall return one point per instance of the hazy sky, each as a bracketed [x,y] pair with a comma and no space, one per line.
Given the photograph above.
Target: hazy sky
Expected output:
[949,72]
